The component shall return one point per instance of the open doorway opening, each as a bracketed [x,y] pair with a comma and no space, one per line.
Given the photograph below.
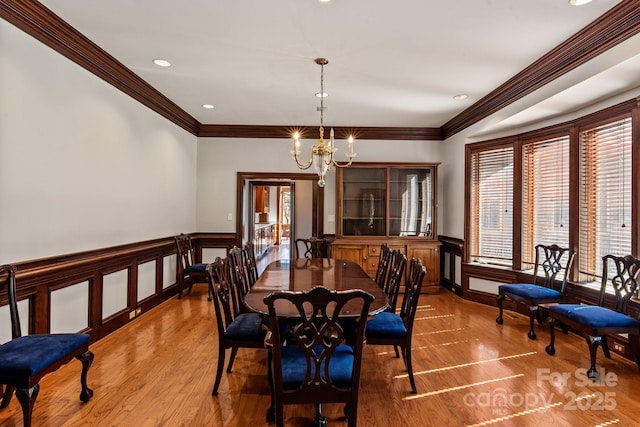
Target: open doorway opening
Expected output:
[274,208]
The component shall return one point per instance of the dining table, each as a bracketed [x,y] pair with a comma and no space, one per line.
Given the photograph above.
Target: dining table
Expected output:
[303,274]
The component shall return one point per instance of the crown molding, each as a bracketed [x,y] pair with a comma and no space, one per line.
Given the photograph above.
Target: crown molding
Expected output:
[41,23]
[311,132]
[615,26]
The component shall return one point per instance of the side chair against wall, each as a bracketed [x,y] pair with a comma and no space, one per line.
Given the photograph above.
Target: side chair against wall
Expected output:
[189,272]
[235,330]
[25,360]
[314,247]
[555,263]
[596,321]
[315,365]
[388,328]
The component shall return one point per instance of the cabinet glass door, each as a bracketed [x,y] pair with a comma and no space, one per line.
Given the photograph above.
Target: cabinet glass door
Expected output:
[410,202]
[364,202]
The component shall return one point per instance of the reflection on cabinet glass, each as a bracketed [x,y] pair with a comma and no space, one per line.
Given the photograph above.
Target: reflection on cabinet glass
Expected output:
[387,200]
[410,202]
[364,202]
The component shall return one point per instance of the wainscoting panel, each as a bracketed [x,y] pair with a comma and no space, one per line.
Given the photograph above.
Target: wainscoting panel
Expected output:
[70,308]
[146,280]
[169,270]
[114,293]
[101,290]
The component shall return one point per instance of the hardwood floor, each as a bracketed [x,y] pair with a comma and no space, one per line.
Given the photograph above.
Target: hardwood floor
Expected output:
[159,370]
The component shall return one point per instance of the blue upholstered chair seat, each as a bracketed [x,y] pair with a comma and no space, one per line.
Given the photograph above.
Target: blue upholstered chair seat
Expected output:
[246,327]
[30,354]
[196,268]
[594,316]
[530,291]
[385,325]
[294,366]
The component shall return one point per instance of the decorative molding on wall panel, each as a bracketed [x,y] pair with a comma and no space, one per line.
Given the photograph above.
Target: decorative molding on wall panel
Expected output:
[146,280]
[115,287]
[70,308]
[169,270]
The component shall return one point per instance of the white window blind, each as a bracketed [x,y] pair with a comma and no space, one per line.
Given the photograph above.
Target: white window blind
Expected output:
[545,195]
[491,206]
[605,195]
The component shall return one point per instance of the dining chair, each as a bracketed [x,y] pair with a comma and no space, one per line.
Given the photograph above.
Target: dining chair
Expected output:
[388,328]
[25,360]
[235,329]
[383,265]
[189,272]
[249,261]
[238,276]
[555,262]
[313,247]
[620,276]
[314,365]
[397,264]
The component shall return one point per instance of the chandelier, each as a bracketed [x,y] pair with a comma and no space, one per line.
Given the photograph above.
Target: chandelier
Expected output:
[321,153]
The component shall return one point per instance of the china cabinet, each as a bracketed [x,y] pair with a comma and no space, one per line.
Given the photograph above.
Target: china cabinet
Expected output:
[392,203]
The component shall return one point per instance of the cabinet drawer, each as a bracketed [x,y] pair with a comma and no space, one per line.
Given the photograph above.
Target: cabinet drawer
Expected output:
[371,265]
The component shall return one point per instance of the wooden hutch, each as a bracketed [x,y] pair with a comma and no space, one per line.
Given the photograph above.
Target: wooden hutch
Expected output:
[392,203]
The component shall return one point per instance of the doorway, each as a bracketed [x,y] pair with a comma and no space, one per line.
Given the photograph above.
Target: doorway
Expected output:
[273,208]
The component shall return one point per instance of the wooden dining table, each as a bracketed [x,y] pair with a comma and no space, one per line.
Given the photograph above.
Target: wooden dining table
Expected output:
[304,274]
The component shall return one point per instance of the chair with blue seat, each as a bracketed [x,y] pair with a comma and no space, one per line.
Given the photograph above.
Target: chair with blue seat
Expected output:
[25,360]
[383,265]
[555,262]
[235,329]
[595,322]
[250,265]
[314,364]
[388,328]
[397,264]
[189,272]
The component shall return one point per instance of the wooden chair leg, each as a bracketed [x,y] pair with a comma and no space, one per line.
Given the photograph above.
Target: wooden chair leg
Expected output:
[6,397]
[407,352]
[27,399]
[87,359]
[221,354]
[550,349]
[532,314]
[234,351]
[605,347]
[499,319]
[593,343]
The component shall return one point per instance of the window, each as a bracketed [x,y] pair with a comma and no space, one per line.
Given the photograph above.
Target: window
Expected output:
[545,195]
[605,195]
[491,204]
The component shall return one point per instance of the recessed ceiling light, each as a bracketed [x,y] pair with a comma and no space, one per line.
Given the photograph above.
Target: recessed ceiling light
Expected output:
[208,106]
[322,95]
[324,1]
[162,63]
[460,97]
[579,2]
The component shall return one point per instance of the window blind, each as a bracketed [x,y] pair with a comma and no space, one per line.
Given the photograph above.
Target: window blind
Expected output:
[545,195]
[605,195]
[492,206]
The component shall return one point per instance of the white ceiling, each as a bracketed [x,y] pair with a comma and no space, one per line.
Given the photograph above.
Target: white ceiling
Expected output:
[391,63]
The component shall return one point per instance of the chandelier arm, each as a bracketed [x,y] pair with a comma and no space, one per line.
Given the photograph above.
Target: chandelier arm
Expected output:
[344,165]
[301,165]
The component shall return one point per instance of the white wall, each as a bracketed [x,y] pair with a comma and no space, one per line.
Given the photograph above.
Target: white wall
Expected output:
[220,159]
[83,166]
